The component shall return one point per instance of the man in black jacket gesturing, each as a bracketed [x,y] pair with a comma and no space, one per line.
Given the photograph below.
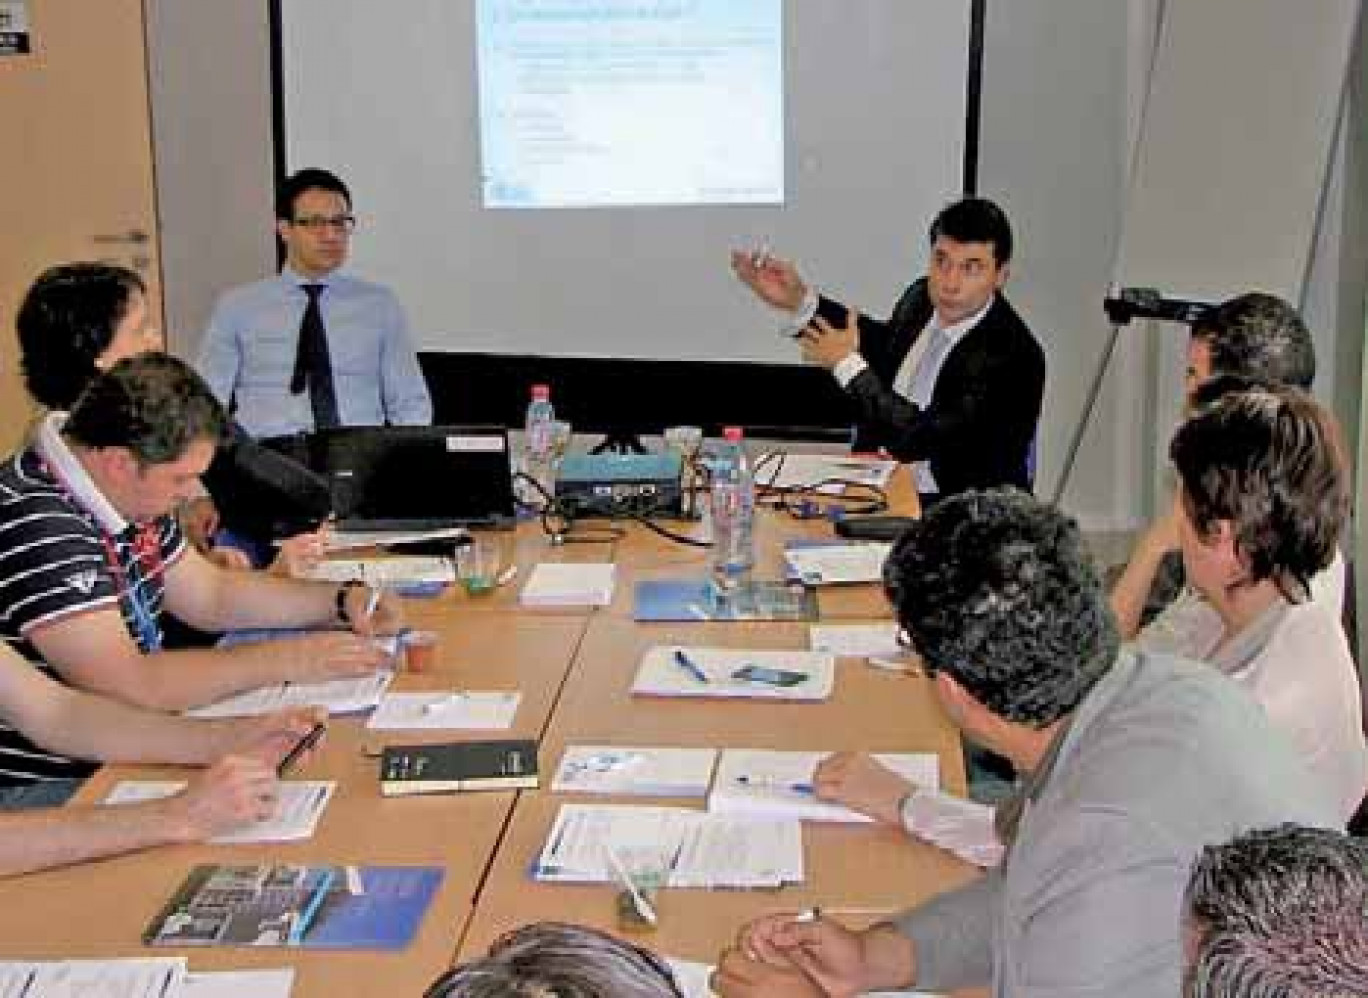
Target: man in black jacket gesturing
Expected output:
[952,381]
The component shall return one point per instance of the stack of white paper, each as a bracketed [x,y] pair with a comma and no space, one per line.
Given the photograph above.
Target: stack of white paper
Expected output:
[406,570]
[340,696]
[476,710]
[570,584]
[779,784]
[690,848]
[649,772]
[837,564]
[298,810]
[674,671]
[963,827]
[807,470]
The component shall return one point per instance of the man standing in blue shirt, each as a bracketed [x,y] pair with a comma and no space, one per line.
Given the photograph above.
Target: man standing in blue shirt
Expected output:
[312,347]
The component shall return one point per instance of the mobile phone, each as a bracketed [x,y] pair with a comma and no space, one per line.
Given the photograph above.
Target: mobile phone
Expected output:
[306,742]
[833,312]
[768,676]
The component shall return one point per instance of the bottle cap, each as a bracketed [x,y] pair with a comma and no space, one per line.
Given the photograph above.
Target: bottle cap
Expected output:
[541,392]
[732,434]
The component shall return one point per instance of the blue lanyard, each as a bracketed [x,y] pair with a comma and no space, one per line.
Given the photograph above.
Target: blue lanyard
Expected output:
[145,625]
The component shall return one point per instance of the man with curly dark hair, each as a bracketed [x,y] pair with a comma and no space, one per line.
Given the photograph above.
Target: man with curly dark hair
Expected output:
[1131,764]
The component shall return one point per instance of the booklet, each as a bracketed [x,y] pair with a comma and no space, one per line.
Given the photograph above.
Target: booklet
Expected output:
[301,806]
[751,673]
[700,599]
[647,771]
[315,907]
[779,784]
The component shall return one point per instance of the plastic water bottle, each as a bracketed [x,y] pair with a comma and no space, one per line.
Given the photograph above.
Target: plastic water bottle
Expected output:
[538,460]
[733,513]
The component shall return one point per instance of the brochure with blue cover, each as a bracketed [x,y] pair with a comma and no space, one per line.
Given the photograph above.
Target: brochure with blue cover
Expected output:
[313,907]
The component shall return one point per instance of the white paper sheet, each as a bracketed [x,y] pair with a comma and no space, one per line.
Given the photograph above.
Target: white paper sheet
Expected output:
[239,984]
[475,710]
[856,640]
[395,571]
[837,564]
[340,696]
[662,674]
[691,848]
[350,540]
[801,470]
[635,769]
[779,784]
[130,978]
[570,584]
[301,805]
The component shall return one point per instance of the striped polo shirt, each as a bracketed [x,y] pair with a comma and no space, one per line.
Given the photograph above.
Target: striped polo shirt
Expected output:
[65,550]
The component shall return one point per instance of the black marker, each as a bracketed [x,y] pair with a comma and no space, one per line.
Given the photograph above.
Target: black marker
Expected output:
[309,739]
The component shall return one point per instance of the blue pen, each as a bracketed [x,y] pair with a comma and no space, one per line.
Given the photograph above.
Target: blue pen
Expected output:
[760,781]
[306,916]
[689,665]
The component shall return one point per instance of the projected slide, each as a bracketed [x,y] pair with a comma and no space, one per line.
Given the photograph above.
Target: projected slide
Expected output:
[630,102]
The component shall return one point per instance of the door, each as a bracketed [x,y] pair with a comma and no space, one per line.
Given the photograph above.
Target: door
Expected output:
[76,177]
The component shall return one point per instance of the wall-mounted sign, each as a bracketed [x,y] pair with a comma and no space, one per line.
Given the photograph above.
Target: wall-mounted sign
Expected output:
[14,27]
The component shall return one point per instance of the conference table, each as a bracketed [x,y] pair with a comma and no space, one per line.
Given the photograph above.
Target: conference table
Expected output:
[573,667]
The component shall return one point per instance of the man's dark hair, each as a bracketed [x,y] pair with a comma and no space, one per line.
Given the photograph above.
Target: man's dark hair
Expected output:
[558,960]
[975,220]
[1280,913]
[153,404]
[1259,336]
[309,179]
[66,320]
[1269,461]
[997,589]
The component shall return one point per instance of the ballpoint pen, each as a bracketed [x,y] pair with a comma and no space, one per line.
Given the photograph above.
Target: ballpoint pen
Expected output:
[763,782]
[682,660]
[373,603]
[300,747]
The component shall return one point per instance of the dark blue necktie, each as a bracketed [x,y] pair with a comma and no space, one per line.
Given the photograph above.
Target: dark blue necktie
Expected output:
[313,366]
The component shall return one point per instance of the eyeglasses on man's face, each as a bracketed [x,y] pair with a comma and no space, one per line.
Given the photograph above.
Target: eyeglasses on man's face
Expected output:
[321,223]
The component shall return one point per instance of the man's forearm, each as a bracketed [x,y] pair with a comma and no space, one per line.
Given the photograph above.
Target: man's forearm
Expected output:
[259,599]
[192,677]
[90,726]
[37,840]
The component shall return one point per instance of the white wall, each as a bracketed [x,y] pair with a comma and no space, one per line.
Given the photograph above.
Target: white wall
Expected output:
[1060,104]
[210,90]
[1055,114]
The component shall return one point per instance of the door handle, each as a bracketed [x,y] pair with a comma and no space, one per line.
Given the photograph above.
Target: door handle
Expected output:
[135,237]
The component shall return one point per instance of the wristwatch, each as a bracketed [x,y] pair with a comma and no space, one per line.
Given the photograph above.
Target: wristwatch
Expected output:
[342,591]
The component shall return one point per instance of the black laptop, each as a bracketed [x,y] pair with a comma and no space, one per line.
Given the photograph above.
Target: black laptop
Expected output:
[415,477]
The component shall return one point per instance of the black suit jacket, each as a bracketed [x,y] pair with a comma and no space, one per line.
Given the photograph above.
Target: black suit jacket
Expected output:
[979,429]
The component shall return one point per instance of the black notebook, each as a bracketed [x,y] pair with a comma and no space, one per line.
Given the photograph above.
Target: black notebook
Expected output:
[447,768]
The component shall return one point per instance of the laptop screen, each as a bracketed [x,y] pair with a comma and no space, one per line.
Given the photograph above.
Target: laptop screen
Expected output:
[416,477]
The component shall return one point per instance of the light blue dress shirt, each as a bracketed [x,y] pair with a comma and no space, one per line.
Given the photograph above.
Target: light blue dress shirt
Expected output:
[248,352]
